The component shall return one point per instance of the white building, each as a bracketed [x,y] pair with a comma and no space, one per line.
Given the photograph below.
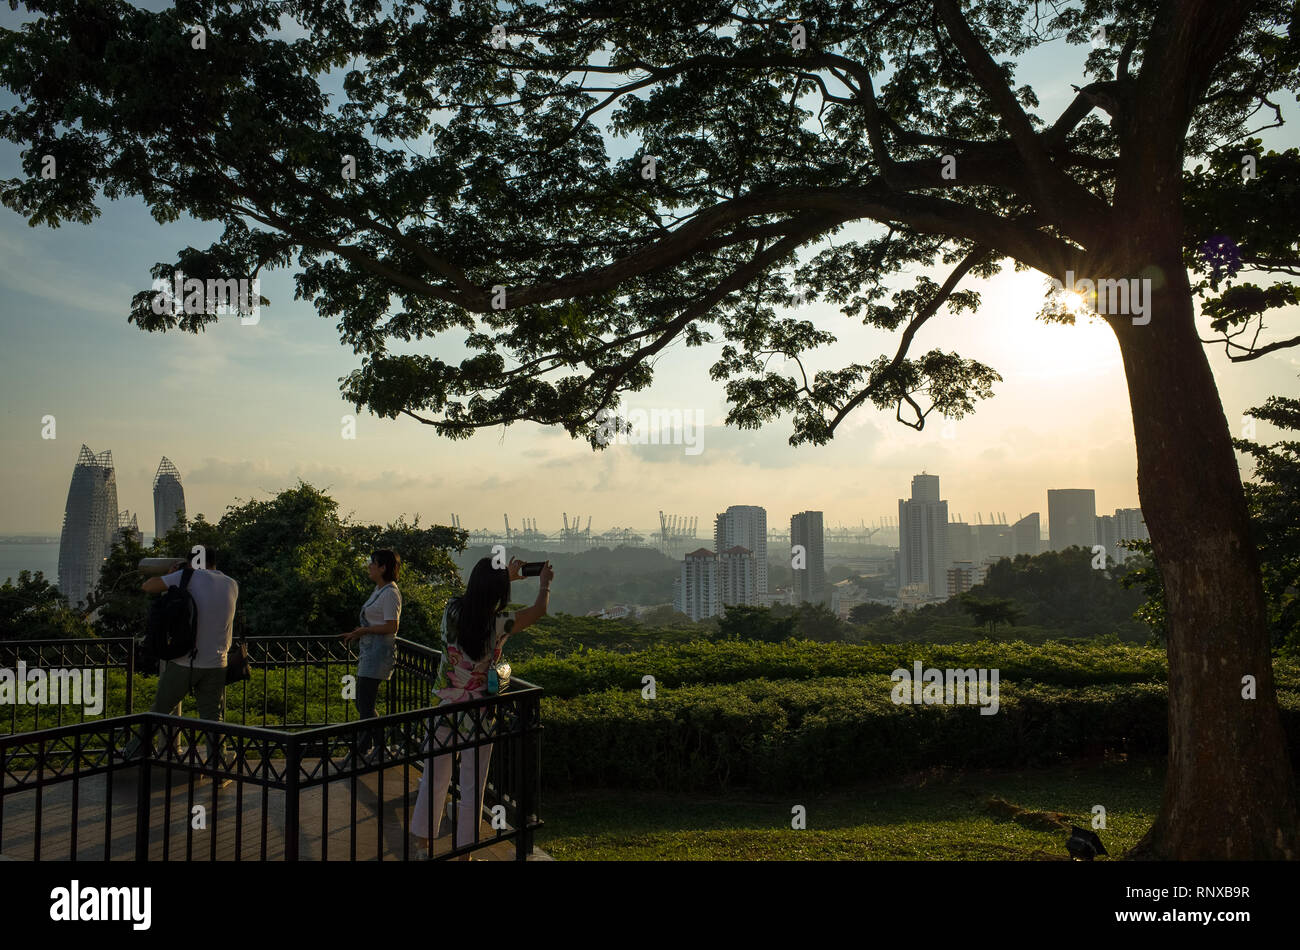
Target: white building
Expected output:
[744,526]
[698,592]
[738,577]
[1126,524]
[912,596]
[168,498]
[90,522]
[845,595]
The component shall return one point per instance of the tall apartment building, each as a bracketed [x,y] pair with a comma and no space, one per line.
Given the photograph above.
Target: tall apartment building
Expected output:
[698,592]
[168,498]
[1130,525]
[744,526]
[923,538]
[738,578]
[1026,535]
[810,581]
[90,521]
[1071,518]
[1125,524]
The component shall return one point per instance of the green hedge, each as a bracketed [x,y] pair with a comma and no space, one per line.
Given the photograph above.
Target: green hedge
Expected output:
[782,735]
[1058,663]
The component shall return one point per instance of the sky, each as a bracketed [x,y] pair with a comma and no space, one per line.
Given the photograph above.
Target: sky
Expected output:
[247,410]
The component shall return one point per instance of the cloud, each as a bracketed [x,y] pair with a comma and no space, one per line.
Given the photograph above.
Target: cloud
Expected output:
[243,472]
[765,448]
[25,270]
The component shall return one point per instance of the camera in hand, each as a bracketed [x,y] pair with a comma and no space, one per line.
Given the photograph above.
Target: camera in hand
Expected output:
[531,568]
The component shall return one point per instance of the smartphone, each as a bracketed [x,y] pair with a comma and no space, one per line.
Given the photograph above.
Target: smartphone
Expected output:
[531,568]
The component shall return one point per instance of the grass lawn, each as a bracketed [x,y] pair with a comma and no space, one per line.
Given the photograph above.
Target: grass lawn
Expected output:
[934,816]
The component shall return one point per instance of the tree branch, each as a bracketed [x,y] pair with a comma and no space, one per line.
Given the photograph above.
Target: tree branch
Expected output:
[971,260]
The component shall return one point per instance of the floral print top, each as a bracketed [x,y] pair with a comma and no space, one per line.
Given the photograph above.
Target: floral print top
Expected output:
[461,678]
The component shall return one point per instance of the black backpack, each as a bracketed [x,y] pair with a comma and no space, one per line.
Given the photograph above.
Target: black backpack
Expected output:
[173,625]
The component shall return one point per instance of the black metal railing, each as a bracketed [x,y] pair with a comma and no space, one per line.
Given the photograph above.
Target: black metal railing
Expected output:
[290,774]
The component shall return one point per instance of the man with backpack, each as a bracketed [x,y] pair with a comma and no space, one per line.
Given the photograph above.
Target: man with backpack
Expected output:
[196,617]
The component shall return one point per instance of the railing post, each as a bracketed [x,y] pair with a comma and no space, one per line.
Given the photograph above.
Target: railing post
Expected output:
[293,755]
[130,676]
[143,812]
[524,839]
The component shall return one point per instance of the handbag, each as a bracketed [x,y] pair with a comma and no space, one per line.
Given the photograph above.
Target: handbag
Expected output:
[237,668]
[498,679]
[237,663]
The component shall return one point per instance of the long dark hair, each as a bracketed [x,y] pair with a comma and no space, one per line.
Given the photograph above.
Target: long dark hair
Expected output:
[486,595]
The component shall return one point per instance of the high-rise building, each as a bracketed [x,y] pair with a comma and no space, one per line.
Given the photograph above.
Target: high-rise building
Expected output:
[746,526]
[738,578]
[962,544]
[89,524]
[168,498]
[925,488]
[810,580]
[1125,524]
[1107,537]
[698,594]
[1130,525]
[129,526]
[923,538]
[1026,536]
[1071,518]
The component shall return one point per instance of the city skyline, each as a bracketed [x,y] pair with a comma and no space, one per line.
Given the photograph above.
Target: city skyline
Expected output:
[166,483]
[925,553]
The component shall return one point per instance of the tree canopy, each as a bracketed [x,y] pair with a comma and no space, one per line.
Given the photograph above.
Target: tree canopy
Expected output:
[300,566]
[33,609]
[432,167]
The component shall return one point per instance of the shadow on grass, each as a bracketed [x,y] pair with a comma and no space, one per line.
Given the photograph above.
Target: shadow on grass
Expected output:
[939,815]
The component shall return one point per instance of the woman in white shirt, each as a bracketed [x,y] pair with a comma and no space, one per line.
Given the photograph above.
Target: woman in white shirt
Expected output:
[377,635]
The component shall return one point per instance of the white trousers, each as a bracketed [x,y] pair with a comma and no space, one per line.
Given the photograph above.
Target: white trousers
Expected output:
[472,787]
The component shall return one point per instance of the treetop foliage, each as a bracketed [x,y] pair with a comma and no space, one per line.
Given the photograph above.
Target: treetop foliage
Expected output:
[487,199]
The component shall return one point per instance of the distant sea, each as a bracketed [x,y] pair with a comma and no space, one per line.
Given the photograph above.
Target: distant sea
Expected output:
[29,556]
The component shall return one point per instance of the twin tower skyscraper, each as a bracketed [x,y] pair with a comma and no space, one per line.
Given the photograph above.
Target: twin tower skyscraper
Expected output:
[92,521]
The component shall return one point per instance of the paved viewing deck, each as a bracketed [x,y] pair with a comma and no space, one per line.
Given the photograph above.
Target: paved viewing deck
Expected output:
[380,794]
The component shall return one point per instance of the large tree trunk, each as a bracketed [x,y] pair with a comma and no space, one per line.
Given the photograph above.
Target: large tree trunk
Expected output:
[1229,791]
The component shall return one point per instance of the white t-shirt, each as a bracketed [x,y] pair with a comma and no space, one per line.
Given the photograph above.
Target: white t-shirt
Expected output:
[382,606]
[377,652]
[214,596]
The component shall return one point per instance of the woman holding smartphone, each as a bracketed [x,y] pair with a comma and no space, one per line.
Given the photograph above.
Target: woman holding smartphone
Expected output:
[475,627]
